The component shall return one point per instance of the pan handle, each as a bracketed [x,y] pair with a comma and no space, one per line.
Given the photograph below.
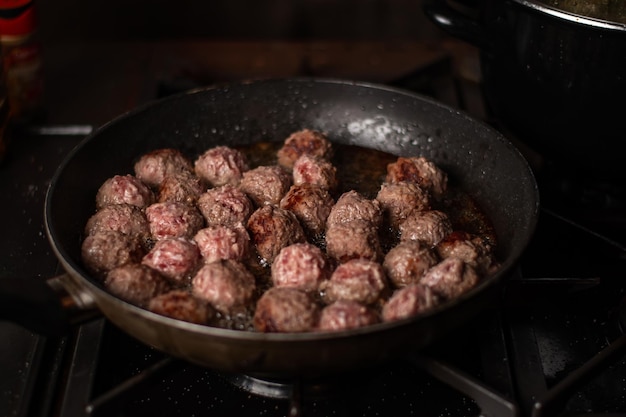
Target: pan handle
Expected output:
[47,307]
[456,22]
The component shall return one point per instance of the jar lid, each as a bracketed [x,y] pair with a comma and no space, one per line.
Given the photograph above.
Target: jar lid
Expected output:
[17,18]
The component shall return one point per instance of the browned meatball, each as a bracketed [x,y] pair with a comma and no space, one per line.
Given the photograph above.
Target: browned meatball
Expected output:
[450,278]
[152,168]
[223,242]
[398,200]
[124,218]
[175,258]
[173,219]
[346,314]
[136,283]
[184,187]
[352,240]
[304,142]
[182,305]
[271,229]
[301,265]
[407,262]
[311,205]
[358,280]
[311,170]
[225,205]
[105,250]
[409,301]
[227,285]
[473,250]
[428,227]
[282,309]
[352,206]
[266,184]
[221,165]
[421,171]
[124,189]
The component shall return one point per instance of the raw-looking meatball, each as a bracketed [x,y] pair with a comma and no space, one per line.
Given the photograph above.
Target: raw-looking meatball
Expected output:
[124,189]
[355,239]
[428,227]
[227,285]
[474,250]
[184,187]
[357,280]
[152,168]
[450,278]
[407,262]
[124,218]
[346,314]
[409,301]
[266,184]
[105,250]
[311,170]
[271,229]
[304,142]
[223,242]
[173,219]
[221,165]
[175,258]
[301,265]
[182,305]
[311,205]
[351,206]
[421,171]
[398,200]
[136,283]
[282,309]
[225,205]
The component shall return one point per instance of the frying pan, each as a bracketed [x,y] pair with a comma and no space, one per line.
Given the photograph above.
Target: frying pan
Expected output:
[477,159]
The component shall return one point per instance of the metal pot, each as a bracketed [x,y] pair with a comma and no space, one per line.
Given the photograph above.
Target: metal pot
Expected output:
[554,79]
[476,157]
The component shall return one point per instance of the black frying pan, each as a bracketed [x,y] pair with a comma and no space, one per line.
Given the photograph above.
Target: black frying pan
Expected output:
[476,157]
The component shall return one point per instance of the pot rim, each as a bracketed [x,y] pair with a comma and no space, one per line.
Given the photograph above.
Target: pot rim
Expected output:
[571,17]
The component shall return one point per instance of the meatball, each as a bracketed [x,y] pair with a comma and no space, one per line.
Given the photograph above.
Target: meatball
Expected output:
[266,184]
[304,142]
[301,265]
[107,249]
[182,305]
[429,227]
[398,200]
[173,219]
[357,280]
[346,314]
[311,170]
[124,189]
[351,206]
[223,242]
[473,250]
[421,171]
[184,187]
[282,309]
[271,229]
[227,285]
[124,218]
[152,168]
[355,239]
[175,258]
[221,165]
[225,205]
[409,301]
[136,283]
[407,262]
[450,278]
[311,205]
